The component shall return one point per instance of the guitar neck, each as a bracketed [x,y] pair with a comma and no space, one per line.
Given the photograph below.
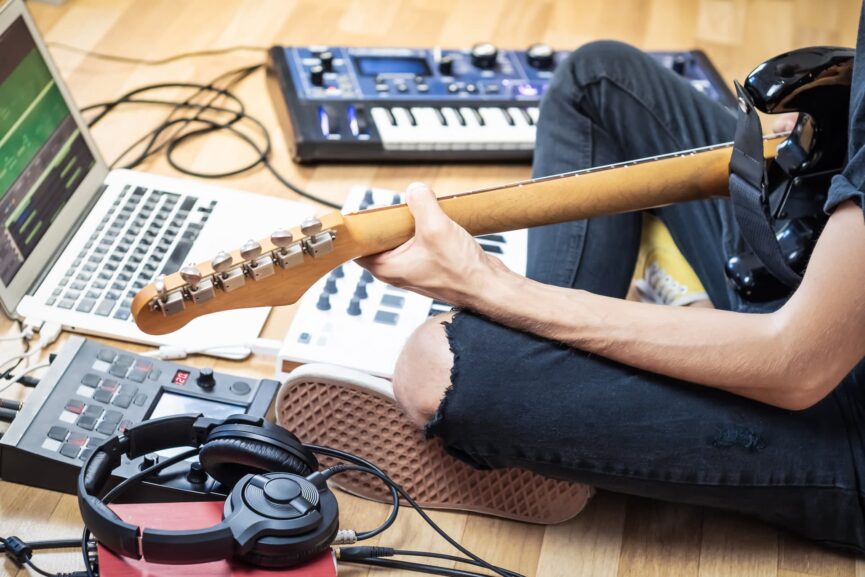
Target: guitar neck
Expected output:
[638,185]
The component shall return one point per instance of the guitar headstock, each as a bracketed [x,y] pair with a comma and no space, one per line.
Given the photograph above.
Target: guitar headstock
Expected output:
[273,271]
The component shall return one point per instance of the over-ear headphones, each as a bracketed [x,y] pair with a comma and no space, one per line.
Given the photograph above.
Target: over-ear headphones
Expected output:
[279,512]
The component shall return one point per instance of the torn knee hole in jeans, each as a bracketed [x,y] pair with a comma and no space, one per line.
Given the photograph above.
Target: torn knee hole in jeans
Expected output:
[435,423]
[738,436]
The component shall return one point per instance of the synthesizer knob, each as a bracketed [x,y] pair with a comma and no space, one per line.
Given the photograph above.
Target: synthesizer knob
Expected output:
[250,250]
[221,262]
[196,475]
[205,379]
[446,65]
[330,285]
[316,76]
[360,290]
[540,56]
[281,238]
[323,303]
[310,227]
[148,461]
[326,59]
[191,275]
[484,55]
[354,307]
[679,65]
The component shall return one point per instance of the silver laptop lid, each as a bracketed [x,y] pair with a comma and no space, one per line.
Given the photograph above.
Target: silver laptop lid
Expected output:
[50,170]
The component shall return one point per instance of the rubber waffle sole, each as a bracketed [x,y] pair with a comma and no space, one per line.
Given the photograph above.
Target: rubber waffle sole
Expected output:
[371,426]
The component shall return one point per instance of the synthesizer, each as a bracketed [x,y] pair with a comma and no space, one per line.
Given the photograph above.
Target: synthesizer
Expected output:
[350,318]
[399,104]
[92,392]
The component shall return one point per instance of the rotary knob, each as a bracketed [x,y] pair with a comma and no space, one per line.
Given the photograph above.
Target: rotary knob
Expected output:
[205,379]
[446,65]
[316,76]
[540,56]
[484,55]
[326,59]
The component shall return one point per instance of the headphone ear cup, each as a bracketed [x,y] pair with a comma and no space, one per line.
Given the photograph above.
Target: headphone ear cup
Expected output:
[228,459]
[282,561]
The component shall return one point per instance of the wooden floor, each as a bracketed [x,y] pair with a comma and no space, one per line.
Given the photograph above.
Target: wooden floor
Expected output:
[615,536]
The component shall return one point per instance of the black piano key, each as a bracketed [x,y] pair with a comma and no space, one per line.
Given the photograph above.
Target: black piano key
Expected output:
[442,120]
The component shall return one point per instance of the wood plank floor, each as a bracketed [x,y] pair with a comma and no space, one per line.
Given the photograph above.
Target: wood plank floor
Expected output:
[615,536]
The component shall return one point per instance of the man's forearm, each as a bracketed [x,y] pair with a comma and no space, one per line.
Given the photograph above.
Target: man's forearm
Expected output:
[730,351]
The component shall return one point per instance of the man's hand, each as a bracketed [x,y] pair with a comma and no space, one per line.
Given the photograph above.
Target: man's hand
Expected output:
[441,261]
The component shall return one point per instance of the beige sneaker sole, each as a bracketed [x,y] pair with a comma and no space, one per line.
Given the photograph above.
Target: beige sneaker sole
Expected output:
[355,412]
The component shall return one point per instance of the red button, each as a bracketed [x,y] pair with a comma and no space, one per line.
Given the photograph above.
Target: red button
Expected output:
[74,406]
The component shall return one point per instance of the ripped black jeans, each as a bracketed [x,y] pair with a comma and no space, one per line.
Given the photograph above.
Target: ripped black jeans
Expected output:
[518,400]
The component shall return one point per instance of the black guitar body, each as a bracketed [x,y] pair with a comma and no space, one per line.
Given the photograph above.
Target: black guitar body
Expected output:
[814,82]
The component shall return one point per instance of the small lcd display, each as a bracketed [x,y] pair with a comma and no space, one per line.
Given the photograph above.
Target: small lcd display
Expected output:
[375,65]
[174,404]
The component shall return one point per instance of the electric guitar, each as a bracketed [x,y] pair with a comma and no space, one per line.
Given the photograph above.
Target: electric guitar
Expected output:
[278,270]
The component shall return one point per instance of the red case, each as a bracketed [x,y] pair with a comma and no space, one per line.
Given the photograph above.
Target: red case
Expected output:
[180,516]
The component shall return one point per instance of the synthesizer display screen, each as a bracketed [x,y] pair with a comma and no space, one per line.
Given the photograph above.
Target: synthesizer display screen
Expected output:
[43,156]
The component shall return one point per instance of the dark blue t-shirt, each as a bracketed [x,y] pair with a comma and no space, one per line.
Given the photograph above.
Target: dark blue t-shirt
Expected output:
[850,184]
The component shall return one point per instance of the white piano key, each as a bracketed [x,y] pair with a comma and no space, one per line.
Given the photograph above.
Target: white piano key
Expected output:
[430,131]
[524,132]
[534,113]
[477,135]
[460,134]
[499,133]
[406,134]
[386,129]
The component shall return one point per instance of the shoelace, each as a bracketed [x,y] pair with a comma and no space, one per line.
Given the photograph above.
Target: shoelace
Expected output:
[657,286]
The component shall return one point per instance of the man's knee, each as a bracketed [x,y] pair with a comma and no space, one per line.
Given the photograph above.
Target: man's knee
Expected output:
[422,373]
[601,58]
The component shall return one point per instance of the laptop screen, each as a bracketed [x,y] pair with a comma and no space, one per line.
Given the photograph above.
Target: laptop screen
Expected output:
[43,155]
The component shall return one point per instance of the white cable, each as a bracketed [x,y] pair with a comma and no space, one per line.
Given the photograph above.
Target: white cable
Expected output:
[47,335]
[17,337]
[23,373]
[232,352]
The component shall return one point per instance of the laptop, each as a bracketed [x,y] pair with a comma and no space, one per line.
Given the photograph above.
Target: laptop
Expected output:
[77,241]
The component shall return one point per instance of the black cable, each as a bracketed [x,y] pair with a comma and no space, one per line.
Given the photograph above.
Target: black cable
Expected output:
[425,517]
[21,553]
[160,61]
[417,567]
[188,128]
[342,455]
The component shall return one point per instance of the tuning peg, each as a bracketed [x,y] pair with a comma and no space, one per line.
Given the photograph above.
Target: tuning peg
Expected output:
[221,262]
[250,250]
[310,226]
[159,284]
[281,238]
[191,275]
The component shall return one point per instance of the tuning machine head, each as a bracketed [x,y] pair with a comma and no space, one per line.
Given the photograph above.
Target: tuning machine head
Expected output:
[191,275]
[159,285]
[310,226]
[281,238]
[222,262]
[250,250]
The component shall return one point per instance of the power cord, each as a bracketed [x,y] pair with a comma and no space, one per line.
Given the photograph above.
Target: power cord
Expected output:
[159,61]
[206,118]
[21,553]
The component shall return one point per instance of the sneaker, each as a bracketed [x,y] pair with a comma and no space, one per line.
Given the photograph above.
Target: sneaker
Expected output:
[355,412]
[663,276]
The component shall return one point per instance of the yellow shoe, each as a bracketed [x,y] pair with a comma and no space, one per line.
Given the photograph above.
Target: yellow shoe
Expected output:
[663,276]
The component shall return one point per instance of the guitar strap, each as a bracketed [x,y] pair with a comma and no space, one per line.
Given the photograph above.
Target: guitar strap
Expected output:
[749,184]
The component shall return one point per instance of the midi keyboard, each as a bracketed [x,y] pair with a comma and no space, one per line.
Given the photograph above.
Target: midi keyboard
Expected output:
[351,319]
[399,104]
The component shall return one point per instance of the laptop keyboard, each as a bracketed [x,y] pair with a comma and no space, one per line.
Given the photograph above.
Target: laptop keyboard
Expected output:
[145,233]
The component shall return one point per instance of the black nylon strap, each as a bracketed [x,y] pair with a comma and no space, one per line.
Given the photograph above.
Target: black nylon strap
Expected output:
[748,184]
